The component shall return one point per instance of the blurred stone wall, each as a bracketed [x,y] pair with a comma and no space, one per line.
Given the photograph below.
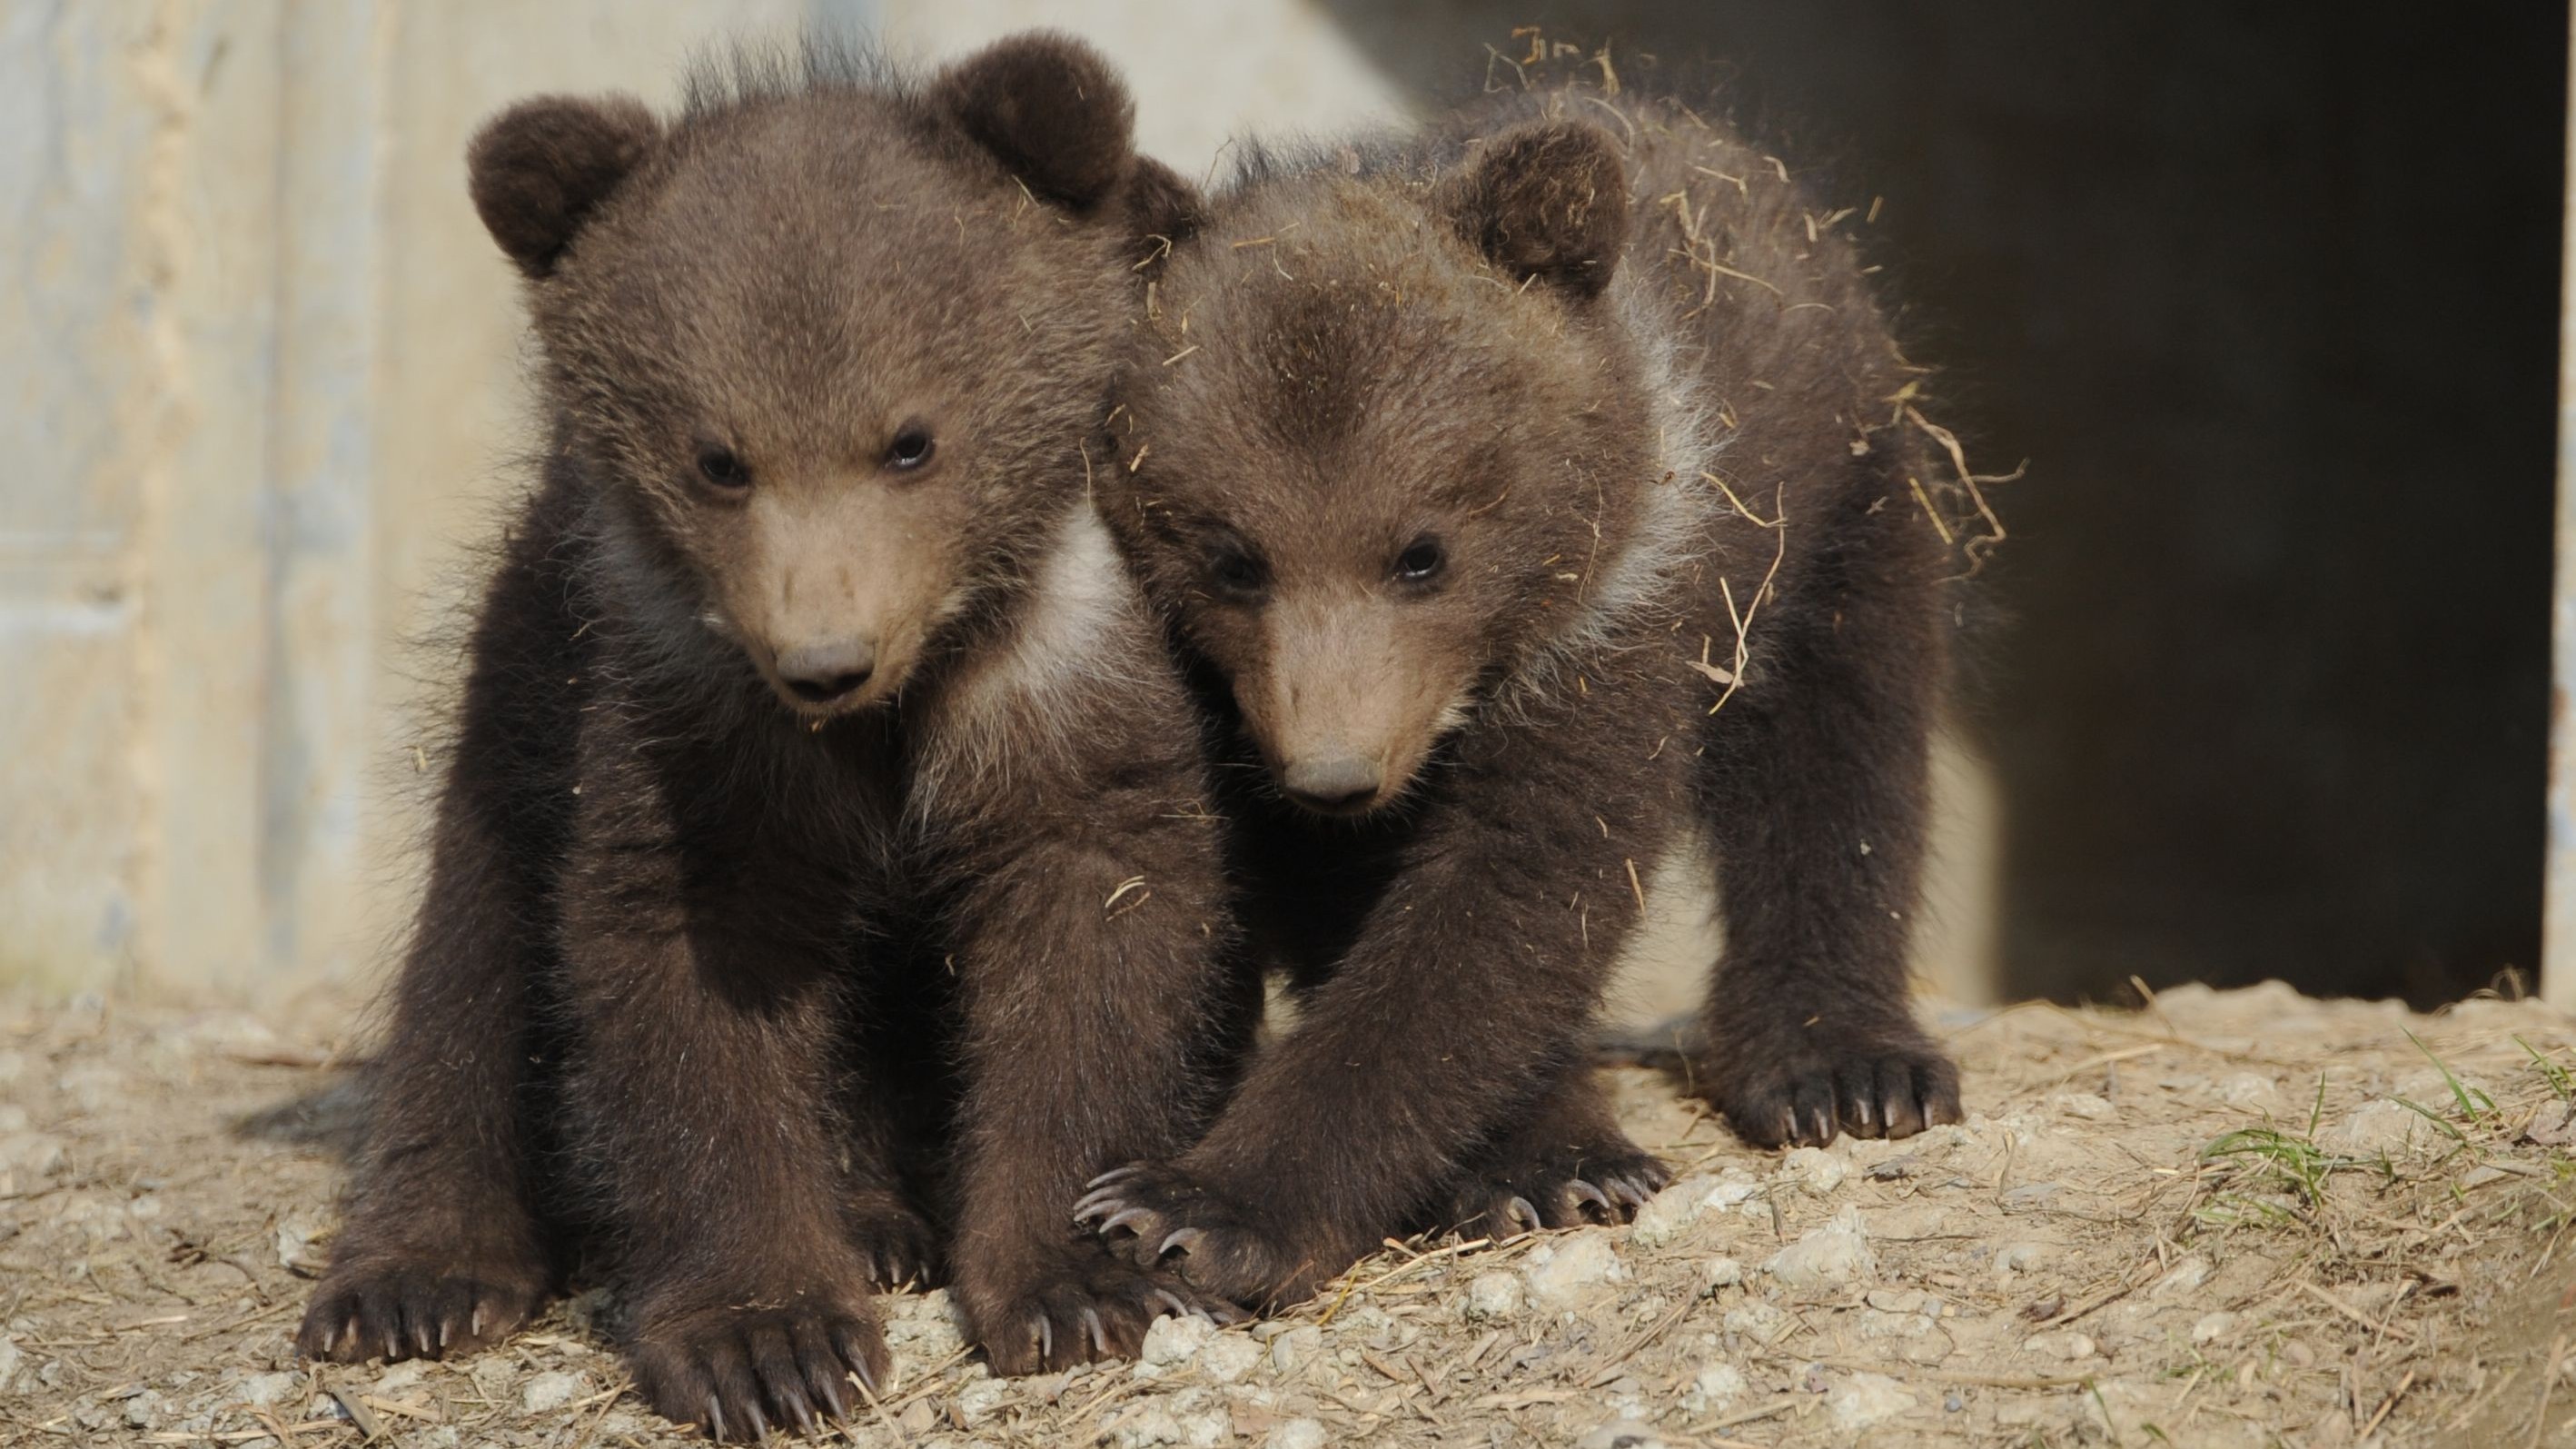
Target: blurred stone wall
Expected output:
[256,373]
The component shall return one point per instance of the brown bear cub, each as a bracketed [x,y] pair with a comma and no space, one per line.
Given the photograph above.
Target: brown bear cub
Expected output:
[1524,497]
[827,823]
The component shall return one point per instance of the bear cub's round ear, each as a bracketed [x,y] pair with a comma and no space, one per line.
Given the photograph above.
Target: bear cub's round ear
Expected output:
[1548,200]
[1051,108]
[539,169]
[1161,211]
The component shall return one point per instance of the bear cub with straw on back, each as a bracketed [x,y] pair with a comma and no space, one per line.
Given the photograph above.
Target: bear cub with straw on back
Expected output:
[825,822]
[1529,498]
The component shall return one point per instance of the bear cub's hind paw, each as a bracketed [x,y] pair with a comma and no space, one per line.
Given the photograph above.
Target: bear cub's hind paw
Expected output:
[1885,1083]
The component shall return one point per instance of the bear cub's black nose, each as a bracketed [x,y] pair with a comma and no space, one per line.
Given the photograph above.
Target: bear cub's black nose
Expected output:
[1331,784]
[821,673]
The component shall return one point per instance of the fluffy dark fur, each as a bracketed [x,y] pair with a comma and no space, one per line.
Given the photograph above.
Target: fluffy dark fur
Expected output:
[826,825]
[1461,467]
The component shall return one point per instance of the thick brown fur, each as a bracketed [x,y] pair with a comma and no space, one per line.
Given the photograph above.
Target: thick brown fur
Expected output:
[826,824]
[1460,467]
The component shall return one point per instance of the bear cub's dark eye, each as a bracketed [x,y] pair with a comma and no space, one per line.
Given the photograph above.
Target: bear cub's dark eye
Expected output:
[1235,570]
[722,468]
[1421,561]
[910,449]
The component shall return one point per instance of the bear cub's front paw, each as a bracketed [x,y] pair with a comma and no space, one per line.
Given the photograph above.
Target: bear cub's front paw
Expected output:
[1077,1304]
[737,1369]
[896,1244]
[1160,1215]
[410,1303]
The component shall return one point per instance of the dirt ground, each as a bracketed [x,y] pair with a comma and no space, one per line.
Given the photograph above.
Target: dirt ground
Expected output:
[2228,1218]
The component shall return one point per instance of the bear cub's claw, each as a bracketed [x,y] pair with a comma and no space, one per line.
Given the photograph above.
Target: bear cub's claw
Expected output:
[1158,1215]
[424,1307]
[896,1245]
[739,1372]
[1083,1306]
[1566,1189]
[1878,1084]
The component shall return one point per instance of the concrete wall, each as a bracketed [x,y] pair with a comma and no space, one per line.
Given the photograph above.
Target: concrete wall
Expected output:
[258,374]
[255,374]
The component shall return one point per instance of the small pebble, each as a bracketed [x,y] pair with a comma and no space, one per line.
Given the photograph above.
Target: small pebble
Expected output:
[1294,1349]
[550,1391]
[1756,1320]
[1835,1254]
[2066,1344]
[2020,1257]
[2211,1327]
[2251,1092]
[981,1401]
[1149,1427]
[2183,1277]
[1814,1169]
[2375,1127]
[1734,1186]
[262,1390]
[1720,1383]
[1874,1323]
[1670,1213]
[1494,1294]
[1297,1434]
[1228,1357]
[1173,1340]
[2087,1105]
[1865,1399]
[1561,1272]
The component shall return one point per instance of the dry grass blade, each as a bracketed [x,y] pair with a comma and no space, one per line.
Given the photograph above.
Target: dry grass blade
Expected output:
[1743,621]
[1976,549]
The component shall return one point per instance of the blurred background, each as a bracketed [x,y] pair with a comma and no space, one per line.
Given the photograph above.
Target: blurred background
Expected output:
[2265,296]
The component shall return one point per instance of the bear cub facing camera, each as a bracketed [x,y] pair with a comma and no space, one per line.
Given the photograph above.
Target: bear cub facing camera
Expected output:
[1528,497]
[825,824]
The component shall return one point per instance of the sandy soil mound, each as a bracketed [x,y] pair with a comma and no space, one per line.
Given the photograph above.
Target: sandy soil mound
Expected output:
[2230,1218]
